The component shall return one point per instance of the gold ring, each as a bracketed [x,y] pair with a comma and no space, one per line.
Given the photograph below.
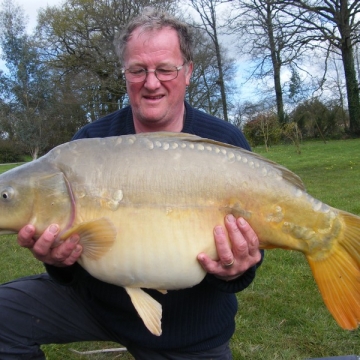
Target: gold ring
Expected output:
[230,264]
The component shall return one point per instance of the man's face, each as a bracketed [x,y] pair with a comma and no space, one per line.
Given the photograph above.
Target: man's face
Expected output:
[156,105]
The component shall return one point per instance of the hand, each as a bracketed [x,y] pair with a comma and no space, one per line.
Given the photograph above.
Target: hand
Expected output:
[235,256]
[44,250]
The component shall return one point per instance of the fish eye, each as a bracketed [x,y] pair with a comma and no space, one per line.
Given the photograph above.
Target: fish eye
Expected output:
[7,194]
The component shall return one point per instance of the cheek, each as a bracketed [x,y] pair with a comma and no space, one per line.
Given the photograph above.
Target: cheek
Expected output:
[133,88]
[133,95]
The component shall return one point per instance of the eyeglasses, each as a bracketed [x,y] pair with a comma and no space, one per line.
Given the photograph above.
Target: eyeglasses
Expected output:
[163,73]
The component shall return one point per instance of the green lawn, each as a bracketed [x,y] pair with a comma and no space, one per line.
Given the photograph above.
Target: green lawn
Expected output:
[281,315]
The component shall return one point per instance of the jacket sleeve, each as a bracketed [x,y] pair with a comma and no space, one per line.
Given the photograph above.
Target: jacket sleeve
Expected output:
[238,284]
[63,275]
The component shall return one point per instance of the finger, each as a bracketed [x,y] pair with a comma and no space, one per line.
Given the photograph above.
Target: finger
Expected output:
[249,235]
[223,247]
[217,269]
[239,245]
[209,265]
[66,253]
[43,245]
[25,236]
[74,256]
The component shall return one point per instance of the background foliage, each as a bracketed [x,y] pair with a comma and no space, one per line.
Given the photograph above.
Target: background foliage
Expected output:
[300,59]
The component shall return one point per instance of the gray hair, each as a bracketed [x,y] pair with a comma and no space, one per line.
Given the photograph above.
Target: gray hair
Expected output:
[153,19]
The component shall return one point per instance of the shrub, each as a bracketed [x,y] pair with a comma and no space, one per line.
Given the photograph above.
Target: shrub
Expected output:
[10,152]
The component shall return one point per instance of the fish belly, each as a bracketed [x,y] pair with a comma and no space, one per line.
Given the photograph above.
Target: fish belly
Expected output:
[157,248]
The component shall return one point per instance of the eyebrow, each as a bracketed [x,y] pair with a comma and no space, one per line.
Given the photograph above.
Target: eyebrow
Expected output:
[138,64]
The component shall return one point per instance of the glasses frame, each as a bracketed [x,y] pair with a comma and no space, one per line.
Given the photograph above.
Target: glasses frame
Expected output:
[146,72]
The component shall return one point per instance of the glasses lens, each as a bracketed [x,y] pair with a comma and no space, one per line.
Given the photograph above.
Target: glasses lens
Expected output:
[166,73]
[135,74]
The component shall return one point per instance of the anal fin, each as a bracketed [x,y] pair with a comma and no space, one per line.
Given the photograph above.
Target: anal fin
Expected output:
[148,309]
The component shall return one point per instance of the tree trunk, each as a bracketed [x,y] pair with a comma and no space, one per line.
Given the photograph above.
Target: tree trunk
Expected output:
[276,63]
[219,63]
[352,86]
[221,81]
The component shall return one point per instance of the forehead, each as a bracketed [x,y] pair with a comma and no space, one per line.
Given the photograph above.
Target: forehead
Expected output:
[153,46]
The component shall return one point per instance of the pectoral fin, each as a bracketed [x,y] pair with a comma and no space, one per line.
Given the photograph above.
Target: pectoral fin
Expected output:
[96,237]
[148,309]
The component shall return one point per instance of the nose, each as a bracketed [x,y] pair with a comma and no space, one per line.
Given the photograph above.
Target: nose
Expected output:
[151,81]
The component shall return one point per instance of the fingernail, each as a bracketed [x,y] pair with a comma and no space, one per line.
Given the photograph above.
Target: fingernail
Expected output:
[201,257]
[230,217]
[28,229]
[218,230]
[73,239]
[242,221]
[53,229]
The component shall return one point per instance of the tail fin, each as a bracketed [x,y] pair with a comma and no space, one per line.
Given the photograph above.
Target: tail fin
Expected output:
[338,276]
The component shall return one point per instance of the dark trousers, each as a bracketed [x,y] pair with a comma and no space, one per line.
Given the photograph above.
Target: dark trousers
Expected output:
[35,311]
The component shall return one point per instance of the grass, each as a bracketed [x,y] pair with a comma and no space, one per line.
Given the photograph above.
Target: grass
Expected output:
[281,315]
[6,167]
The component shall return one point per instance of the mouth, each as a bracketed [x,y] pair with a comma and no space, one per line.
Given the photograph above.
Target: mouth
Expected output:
[153,98]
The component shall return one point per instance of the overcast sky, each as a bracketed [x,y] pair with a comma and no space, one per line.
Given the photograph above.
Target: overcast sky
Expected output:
[31,8]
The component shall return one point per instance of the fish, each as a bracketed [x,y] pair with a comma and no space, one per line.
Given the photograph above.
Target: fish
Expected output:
[145,206]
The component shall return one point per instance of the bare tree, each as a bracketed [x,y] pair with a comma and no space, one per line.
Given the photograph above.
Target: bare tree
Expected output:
[335,24]
[271,37]
[207,9]
[336,85]
[203,91]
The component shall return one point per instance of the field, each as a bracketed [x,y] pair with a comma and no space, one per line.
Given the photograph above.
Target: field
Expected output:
[281,315]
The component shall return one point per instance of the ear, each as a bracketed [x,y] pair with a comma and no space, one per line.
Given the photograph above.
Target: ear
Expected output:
[188,72]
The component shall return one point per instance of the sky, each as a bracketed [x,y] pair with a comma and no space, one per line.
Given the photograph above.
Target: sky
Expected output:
[31,8]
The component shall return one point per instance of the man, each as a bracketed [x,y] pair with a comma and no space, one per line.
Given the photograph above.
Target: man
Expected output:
[67,304]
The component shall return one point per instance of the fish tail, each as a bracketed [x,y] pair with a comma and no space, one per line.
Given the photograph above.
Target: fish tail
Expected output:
[338,275]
